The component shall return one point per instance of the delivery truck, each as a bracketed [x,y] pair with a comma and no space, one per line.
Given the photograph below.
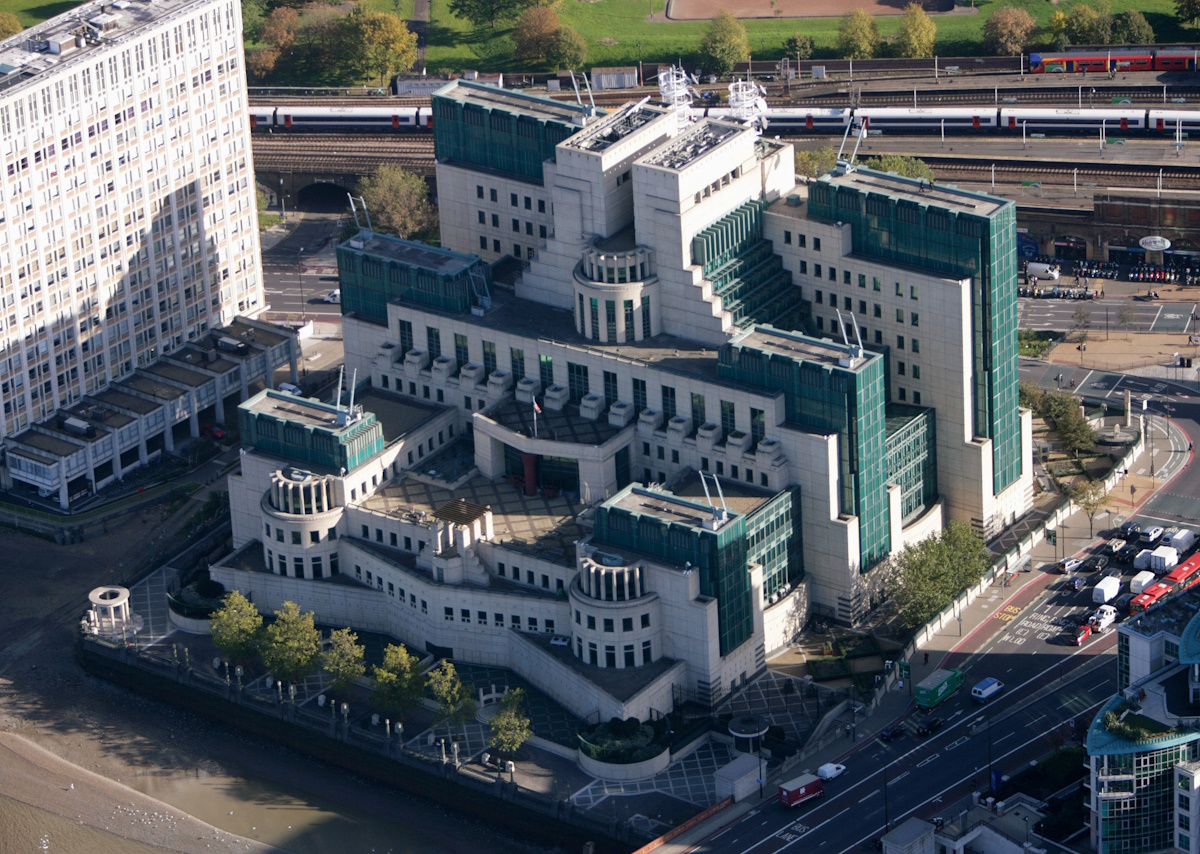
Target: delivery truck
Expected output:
[803,788]
[1141,581]
[1181,539]
[1106,590]
[1163,559]
[936,687]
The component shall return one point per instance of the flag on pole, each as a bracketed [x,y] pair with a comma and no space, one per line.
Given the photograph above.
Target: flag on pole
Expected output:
[536,410]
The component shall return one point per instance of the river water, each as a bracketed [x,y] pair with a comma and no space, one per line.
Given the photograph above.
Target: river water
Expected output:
[270,813]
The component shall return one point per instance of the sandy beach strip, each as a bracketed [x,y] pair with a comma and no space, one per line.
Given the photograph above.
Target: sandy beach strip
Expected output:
[36,777]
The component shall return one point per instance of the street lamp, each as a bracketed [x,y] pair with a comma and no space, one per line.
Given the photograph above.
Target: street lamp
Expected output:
[282,203]
[300,274]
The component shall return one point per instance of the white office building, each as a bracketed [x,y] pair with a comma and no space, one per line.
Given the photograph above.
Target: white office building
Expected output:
[127,197]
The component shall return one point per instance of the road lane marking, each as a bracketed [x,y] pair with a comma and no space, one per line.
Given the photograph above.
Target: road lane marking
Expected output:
[876,792]
[961,740]
[898,778]
[927,760]
[1098,685]
[1010,735]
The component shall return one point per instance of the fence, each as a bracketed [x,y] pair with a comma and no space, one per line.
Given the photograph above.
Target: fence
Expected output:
[346,742]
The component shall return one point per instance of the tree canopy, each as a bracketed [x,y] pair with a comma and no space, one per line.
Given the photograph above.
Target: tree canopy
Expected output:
[510,726]
[858,36]
[385,45]
[929,574]
[9,25]
[292,646]
[397,684]
[398,202]
[236,627]
[1091,497]
[917,33]
[489,12]
[901,164]
[798,46]
[1131,27]
[568,49]
[344,659]
[1187,10]
[541,39]
[1075,434]
[1007,31]
[724,44]
[455,705]
[813,163]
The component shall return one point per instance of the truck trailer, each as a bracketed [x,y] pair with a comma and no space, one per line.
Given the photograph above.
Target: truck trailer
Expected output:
[936,687]
[801,789]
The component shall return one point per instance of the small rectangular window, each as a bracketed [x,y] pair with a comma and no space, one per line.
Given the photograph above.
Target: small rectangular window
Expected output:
[787,238]
[816,244]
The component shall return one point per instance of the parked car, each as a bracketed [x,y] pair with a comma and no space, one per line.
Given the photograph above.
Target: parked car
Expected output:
[1114,545]
[1070,565]
[1082,633]
[930,725]
[891,733]
[334,296]
[214,431]
[1130,530]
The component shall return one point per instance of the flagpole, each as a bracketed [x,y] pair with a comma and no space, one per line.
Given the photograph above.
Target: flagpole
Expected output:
[535,412]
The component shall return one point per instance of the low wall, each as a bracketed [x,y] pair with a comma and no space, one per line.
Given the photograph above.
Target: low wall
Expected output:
[190,625]
[631,771]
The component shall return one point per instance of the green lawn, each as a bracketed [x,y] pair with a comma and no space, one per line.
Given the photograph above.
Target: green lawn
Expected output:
[618,33]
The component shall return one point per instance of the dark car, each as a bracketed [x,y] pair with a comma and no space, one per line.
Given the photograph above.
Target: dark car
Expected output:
[1130,530]
[930,725]
[215,431]
[1094,563]
[1076,583]
[1127,554]
[891,733]
[1122,602]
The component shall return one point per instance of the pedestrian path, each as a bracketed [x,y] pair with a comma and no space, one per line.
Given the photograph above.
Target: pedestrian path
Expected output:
[690,779]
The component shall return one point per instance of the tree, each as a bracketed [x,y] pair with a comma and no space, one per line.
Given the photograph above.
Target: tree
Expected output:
[816,162]
[236,627]
[261,60]
[480,12]
[930,573]
[343,661]
[1187,10]
[292,648]
[858,36]
[567,49]
[510,726]
[398,202]
[9,25]
[1089,24]
[396,685]
[1029,395]
[917,33]
[385,44]
[798,46]
[1131,27]
[254,13]
[1091,497]
[1075,434]
[1082,320]
[534,33]
[1056,28]
[724,44]
[909,167]
[1126,319]
[280,27]
[1007,31]
[455,706]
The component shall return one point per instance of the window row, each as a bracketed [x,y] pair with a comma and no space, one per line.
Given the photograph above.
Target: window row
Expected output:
[514,620]
[531,578]
[297,537]
[609,623]
[513,199]
[516,226]
[314,567]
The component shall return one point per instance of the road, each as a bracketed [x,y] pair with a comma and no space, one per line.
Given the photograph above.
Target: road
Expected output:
[295,284]
[1104,316]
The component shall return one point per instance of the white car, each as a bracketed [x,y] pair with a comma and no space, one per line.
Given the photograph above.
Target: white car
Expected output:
[334,296]
[829,770]
[1070,564]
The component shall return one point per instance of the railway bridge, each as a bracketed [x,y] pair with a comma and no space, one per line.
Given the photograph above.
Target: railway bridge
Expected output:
[287,164]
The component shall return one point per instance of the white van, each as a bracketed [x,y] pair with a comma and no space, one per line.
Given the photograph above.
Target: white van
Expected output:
[1037,270]
[1104,617]
[987,689]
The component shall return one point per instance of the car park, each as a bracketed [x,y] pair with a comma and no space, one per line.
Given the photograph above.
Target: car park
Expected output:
[930,725]
[891,733]
[1070,564]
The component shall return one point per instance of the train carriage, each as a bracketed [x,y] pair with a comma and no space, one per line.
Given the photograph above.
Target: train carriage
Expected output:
[815,119]
[1168,121]
[352,118]
[1070,119]
[927,118]
[1097,62]
[262,117]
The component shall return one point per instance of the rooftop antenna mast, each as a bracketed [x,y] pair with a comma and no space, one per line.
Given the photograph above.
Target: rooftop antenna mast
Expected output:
[337,401]
[860,133]
[842,326]
[575,84]
[708,497]
[724,507]
[353,380]
[674,87]
[364,233]
[587,85]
